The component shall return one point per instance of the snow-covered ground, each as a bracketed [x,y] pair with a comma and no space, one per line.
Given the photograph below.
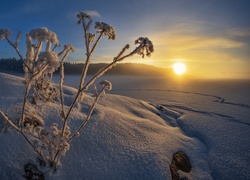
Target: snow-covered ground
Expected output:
[128,138]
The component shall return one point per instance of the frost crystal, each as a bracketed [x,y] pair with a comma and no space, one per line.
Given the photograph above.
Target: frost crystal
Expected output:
[4,33]
[108,30]
[49,58]
[106,84]
[144,45]
[44,35]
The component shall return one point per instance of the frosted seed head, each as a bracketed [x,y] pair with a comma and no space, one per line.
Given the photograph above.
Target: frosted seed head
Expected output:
[145,46]
[82,15]
[70,47]
[108,30]
[4,33]
[106,84]
[127,46]
[53,38]
[44,35]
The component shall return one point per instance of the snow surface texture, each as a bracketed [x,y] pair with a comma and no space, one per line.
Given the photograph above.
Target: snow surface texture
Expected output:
[133,139]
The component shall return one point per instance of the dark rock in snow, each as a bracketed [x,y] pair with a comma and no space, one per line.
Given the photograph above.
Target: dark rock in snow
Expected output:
[181,162]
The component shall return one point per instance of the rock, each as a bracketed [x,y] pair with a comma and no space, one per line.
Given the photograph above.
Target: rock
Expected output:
[181,162]
[174,173]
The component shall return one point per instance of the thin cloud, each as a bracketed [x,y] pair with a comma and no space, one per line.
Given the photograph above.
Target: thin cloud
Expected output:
[239,32]
[93,13]
[199,42]
[182,41]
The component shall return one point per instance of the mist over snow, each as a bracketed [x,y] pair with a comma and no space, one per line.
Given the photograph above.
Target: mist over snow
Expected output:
[129,138]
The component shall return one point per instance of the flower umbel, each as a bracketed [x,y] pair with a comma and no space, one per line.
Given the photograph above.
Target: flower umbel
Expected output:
[106,84]
[82,15]
[4,33]
[144,45]
[44,35]
[69,47]
[108,30]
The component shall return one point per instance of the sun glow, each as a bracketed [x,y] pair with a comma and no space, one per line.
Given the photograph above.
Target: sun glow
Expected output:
[179,68]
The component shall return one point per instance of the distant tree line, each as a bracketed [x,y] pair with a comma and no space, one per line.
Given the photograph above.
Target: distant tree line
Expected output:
[16,66]
[11,65]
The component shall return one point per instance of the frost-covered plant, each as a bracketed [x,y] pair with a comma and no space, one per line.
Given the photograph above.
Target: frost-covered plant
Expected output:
[37,59]
[53,143]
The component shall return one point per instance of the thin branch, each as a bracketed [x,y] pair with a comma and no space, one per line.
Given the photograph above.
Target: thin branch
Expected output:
[61,82]
[55,46]
[20,131]
[91,81]
[26,93]
[96,43]
[88,116]
[40,154]
[19,54]
[87,54]
[37,51]
[10,122]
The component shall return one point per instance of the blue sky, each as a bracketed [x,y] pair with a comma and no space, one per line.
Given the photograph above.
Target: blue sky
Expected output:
[211,36]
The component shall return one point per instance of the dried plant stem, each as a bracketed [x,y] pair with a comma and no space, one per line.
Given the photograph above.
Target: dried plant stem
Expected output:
[96,42]
[56,157]
[19,54]
[69,111]
[105,69]
[10,122]
[26,138]
[87,62]
[91,81]
[26,93]
[61,82]
[37,51]
[55,46]
[84,73]
[88,116]
[20,131]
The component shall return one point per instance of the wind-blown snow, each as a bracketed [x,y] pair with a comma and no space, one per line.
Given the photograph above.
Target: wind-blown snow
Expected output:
[133,139]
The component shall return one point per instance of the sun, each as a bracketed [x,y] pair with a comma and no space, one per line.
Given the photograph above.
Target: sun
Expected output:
[179,68]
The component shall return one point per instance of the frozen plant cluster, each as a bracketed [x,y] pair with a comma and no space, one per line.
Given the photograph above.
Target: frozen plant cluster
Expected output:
[50,144]
[43,62]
